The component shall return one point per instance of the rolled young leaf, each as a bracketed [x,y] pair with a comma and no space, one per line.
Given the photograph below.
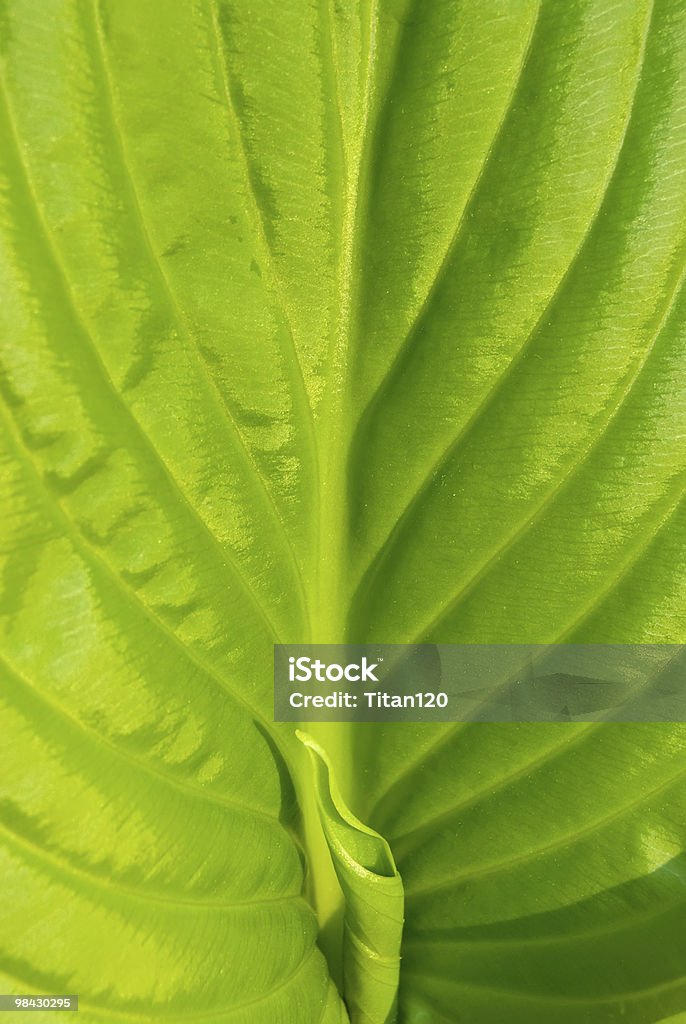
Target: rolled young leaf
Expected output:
[373,893]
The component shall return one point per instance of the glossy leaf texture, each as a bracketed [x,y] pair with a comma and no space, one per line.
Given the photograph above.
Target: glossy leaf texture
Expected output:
[336,320]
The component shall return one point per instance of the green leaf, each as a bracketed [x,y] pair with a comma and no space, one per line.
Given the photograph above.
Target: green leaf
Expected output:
[336,321]
[373,895]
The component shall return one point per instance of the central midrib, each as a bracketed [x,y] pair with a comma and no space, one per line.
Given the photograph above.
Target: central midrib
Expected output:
[334,428]
[330,594]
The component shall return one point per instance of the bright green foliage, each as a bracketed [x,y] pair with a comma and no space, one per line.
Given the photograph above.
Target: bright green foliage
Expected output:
[372,899]
[336,320]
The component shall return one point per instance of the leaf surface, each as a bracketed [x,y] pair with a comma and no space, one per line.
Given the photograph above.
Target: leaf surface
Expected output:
[336,322]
